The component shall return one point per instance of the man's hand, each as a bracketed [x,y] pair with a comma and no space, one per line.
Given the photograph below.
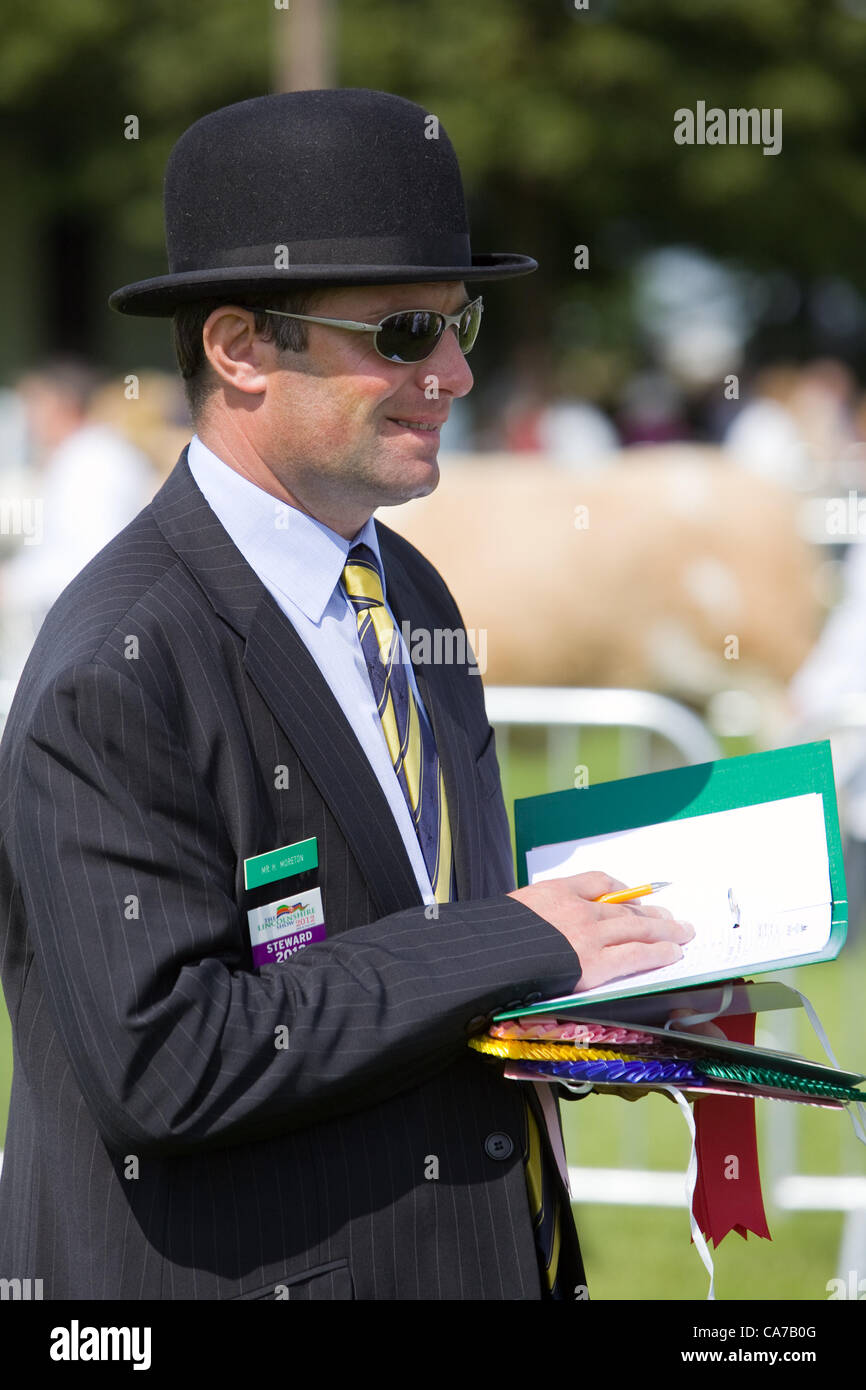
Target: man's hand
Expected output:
[611,939]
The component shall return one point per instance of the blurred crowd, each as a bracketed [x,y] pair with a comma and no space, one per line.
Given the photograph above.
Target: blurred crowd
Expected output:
[803,426]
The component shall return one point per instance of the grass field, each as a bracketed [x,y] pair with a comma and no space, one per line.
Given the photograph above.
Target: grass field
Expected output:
[645,1253]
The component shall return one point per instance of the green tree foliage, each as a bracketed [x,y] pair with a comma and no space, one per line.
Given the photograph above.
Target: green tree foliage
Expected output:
[563,118]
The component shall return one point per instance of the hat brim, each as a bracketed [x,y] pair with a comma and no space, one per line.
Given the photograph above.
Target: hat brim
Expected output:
[159,297]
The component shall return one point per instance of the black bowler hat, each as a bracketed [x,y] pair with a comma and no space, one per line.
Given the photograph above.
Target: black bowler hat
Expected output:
[344,187]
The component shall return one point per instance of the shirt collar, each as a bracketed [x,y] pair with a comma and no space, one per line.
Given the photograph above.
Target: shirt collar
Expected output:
[293,552]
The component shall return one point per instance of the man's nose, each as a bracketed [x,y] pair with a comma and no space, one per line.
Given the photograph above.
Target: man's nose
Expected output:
[448,365]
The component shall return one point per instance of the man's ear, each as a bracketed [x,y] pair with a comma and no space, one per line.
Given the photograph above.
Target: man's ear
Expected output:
[240,358]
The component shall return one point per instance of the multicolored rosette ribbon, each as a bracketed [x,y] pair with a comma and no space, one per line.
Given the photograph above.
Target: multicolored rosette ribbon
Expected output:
[604,1053]
[561,1048]
[595,1053]
[539,1049]
[565,1030]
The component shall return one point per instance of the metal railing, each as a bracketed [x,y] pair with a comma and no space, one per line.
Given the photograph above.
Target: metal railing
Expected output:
[576,708]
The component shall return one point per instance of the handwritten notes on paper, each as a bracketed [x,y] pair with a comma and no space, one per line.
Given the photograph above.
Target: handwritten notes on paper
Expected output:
[754,881]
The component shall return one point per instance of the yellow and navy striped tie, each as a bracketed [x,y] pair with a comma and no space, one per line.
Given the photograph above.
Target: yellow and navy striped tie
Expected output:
[416,763]
[410,741]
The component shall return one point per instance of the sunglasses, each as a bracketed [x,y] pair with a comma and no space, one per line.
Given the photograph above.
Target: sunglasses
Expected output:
[410,335]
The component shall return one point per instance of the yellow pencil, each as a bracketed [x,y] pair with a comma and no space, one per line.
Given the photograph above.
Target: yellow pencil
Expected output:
[626,893]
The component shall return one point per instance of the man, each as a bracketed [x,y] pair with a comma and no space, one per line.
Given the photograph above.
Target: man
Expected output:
[208,1104]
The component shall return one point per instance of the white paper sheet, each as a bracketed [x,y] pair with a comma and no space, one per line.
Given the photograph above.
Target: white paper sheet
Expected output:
[771,858]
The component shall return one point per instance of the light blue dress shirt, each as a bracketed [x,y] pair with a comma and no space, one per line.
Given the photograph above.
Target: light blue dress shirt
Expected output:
[300,561]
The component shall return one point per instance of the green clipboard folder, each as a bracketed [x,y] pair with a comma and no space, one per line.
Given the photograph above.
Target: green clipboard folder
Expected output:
[654,798]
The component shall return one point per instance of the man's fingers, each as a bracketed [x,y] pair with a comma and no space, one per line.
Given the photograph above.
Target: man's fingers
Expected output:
[635,909]
[615,931]
[632,958]
[594,884]
[638,906]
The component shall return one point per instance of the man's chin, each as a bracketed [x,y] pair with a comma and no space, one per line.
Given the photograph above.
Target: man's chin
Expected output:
[406,490]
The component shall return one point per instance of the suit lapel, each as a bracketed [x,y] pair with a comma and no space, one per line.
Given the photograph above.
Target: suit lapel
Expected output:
[292,686]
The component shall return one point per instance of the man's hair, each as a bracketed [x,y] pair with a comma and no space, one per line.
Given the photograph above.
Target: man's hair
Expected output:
[289,335]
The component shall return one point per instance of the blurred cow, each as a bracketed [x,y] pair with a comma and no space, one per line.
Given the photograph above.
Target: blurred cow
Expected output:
[671,569]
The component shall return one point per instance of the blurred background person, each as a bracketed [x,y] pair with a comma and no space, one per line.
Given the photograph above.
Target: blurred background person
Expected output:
[798,425]
[86,482]
[828,688]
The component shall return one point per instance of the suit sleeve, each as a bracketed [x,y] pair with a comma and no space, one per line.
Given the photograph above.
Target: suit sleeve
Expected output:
[127,875]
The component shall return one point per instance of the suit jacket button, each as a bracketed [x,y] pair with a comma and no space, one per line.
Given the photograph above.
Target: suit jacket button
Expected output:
[534,997]
[513,1004]
[498,1146]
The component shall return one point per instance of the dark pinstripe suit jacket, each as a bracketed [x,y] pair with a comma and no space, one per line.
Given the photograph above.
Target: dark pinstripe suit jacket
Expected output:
[169,724]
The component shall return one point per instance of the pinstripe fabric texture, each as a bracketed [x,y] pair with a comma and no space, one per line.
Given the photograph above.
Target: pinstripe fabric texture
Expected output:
[169,724]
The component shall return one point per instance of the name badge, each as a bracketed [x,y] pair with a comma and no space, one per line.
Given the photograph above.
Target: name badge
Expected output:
[280,863]
[281,928]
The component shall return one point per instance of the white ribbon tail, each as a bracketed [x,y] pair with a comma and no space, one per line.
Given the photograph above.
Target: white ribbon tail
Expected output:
[727,996]
[691,1181]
